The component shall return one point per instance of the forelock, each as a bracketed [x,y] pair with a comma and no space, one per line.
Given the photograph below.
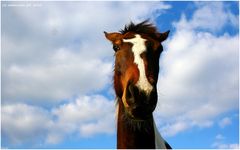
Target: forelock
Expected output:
[142,28]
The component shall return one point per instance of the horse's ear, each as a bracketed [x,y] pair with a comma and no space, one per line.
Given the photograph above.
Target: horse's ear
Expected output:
[163,36]
[113,36]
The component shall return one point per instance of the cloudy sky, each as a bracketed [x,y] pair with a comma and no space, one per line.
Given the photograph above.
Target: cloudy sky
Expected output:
[56,81]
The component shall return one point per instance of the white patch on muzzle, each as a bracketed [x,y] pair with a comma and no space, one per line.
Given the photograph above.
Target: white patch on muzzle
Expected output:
[138,48]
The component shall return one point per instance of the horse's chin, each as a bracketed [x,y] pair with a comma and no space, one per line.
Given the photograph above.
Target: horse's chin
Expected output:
[138,116]
[138,123]
[140,119]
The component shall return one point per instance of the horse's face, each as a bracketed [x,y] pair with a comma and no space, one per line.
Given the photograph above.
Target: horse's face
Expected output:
[136,71]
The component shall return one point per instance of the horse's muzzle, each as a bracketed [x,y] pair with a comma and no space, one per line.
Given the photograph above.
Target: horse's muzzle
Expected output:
[141,105]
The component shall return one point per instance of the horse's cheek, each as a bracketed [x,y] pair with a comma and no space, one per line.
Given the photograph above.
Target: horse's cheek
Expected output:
[118,86]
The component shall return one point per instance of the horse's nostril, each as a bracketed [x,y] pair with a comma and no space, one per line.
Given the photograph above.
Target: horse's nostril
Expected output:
[131,93]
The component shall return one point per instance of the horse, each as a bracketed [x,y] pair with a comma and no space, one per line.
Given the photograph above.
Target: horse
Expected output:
[137,51]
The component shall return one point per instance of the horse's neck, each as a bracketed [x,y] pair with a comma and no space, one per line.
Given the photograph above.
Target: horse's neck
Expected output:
[129,136]
[136,135]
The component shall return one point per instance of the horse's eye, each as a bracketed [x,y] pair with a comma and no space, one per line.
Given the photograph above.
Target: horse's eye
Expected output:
[116,48]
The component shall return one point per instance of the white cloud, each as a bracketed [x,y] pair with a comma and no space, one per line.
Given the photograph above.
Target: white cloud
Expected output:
[220,145]
[87,116]
[204,17]
[229,146]
[225,146]
[24,123]
[103,126]
[172,129]
[219,137]
[198,75]
[225,122]
[68,74]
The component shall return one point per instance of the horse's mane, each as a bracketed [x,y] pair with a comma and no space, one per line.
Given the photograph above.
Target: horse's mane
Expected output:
[144,27]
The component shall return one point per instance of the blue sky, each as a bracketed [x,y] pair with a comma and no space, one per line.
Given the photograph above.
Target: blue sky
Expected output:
[57,73]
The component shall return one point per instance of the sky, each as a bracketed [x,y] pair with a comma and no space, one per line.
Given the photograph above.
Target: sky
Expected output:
[57,68]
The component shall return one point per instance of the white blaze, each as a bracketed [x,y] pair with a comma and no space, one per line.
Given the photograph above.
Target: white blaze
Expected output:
[137,49]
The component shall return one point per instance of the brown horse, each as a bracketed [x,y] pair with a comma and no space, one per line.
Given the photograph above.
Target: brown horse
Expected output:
[137,50]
